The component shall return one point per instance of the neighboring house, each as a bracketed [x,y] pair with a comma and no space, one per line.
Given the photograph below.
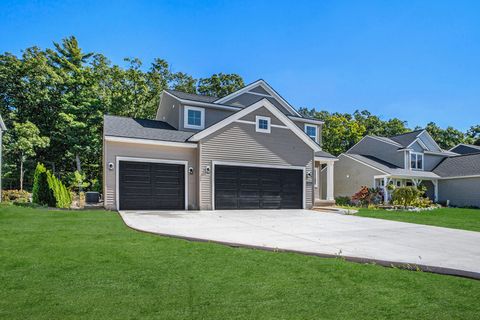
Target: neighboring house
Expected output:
[410,159]
[250,149]
[2,128]
[463,148]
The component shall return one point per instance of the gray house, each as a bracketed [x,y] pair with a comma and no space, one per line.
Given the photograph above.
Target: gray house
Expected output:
[410,159]
[2,128]
[250,149]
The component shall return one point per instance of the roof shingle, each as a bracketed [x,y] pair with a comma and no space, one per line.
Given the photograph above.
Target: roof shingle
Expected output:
[458,166]
[142,129]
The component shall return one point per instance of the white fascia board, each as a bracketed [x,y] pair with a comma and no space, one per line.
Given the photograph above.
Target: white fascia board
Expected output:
[151,142]
[267,88]
[364,163]
[240,114]
[420,142]
[325,159]
[460,177]
[430,138]
[204,104]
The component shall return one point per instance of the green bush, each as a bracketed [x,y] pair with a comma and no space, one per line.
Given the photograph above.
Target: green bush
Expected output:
[342,201]
[61,194]
[407,196]
[41,193]
[15,196]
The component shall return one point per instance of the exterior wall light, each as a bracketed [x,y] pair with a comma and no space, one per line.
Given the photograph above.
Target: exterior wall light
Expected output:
[110,166]
[190,170]
[207,169]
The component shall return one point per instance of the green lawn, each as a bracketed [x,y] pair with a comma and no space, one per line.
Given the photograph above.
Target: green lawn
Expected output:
[467,219]
[70,265]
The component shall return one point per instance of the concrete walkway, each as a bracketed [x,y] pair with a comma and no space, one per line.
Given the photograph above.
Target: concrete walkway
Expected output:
[385,242]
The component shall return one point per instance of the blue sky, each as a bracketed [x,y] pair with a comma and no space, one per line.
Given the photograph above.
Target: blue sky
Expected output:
[416,60]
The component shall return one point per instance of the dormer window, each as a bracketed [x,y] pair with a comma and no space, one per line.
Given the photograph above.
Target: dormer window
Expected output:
[416,160]
[311,131]
[262,124]
[194,117]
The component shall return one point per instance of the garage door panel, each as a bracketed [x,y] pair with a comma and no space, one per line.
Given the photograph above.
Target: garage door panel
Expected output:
[151,186]
[257,188]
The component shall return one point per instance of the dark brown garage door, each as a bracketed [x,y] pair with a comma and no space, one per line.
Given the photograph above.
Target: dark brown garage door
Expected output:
[258,188]
[151,186]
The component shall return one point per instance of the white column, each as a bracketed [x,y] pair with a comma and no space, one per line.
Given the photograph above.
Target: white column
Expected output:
[435,190]
[330,181]
[385,190]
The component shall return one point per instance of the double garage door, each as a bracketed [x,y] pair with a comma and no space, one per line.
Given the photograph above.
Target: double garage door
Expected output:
[258,188]
[161,186]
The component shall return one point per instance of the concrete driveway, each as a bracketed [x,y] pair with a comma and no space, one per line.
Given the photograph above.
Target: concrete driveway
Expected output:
[385,242]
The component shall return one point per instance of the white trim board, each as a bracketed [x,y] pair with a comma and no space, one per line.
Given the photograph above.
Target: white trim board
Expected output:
[306,120]
[267,88]
[151,142]
[240,114]
[253,123]
[255,165]
[117,177]
[460,177]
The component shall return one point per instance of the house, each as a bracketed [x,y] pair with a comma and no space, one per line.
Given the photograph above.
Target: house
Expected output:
[250,149]
[2,128]
[410,159]
[463,148]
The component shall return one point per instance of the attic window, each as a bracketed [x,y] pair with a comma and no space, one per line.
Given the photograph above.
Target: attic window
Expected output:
[194,117]
[311,131]
[262,124]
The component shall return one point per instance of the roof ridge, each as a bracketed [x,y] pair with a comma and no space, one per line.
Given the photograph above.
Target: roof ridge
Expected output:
[402,134]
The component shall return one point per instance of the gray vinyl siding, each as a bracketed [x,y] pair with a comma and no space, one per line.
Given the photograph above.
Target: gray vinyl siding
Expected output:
[246,99]
[259,89]
[358,175]
[461,192]
[417,147]
[239,143]
[431,161]
[169,110]
[430,192]
[381,150]
[428,142]
[264,113]
[134,150]
[212,116]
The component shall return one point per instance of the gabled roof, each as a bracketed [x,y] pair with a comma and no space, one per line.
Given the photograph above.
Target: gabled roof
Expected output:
[458,166]
[406,139]
[464,148]
[116,126]
[2,124]
[267,88]
[239,114]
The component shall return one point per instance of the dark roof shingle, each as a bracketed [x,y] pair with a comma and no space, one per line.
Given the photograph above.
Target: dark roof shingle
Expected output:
[458,166]
[407,138]
[142,129]
[192,96]
[465,149]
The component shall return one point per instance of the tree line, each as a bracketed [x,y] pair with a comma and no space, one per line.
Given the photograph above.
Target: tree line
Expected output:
[53,101]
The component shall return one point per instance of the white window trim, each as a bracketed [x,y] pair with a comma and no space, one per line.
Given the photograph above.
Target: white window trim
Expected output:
[416,160]
[257,124]
[185,117]
[316,131]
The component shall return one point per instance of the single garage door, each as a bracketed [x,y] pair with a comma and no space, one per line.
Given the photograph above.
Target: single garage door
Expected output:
[258,188]
[151,186]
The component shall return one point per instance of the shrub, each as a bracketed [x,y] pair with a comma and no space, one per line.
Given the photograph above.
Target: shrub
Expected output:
[41,193]
[406,196]
[368,196]
[342,201]
[61,194]
[15,196]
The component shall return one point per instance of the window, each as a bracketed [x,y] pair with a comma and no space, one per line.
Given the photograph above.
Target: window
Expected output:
[263,124]
[311,131]
[194,118]
[416,161]
[399,183]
